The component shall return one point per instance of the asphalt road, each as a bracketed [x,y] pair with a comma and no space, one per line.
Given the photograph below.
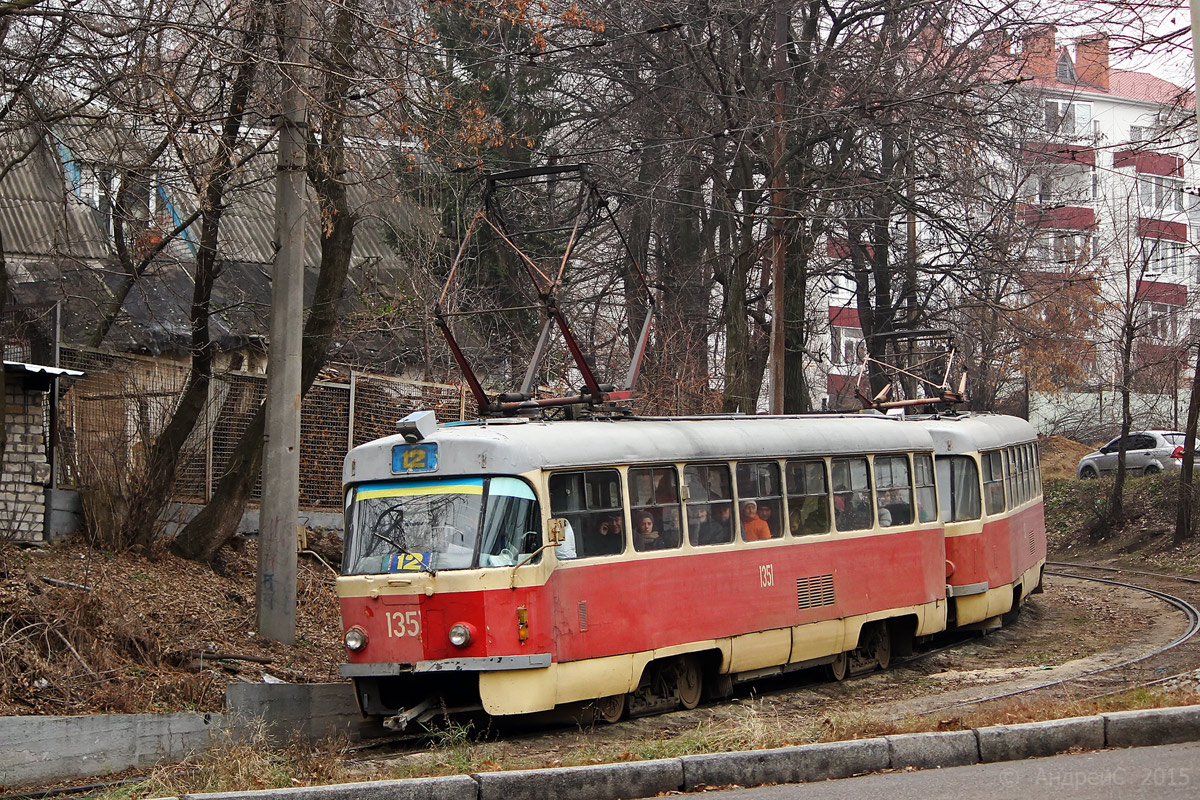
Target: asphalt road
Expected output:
[1166,772]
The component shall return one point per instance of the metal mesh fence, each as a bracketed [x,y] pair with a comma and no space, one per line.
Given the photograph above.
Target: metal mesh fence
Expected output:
[110,416]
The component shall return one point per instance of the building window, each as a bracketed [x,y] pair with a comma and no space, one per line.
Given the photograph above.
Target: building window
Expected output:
[1163,256]
[846,346]
[1068,119]
[1065,247]
[1162,322]
[1158,193]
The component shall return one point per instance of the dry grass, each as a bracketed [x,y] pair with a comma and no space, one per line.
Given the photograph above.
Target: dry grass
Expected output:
[752,724]
[240,763]
[84,631]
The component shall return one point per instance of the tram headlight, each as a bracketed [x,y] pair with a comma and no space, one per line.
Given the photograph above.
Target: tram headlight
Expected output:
[355,639]
[460,635]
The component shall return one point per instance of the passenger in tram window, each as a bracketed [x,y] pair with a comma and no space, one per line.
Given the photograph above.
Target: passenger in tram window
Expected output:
[645,534]
[715,528]
[566,550]
[666,492]
[697,521]
[753,528]
[851,511]
[671,528]
[808,515]
[606,536]
[766,512]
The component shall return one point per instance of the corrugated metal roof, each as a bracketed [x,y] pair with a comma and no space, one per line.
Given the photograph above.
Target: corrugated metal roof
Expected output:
[60,248]
[41,369]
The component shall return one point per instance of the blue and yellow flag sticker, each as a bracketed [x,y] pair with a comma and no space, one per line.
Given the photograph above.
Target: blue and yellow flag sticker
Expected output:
[420,488]
[409,562]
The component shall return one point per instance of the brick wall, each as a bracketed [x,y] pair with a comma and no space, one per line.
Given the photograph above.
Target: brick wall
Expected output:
[25,470]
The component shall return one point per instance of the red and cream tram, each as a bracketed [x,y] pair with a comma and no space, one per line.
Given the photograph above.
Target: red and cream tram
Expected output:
[516,565]
[995,541]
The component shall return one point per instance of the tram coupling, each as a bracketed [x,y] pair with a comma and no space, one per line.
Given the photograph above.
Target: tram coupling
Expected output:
[423,712]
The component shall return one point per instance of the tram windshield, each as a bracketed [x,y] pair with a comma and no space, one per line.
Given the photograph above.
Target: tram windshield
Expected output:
[431,525]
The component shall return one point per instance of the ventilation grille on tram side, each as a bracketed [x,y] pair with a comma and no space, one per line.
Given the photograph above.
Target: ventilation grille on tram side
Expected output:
[814,591]
[583,615]
[1032,543]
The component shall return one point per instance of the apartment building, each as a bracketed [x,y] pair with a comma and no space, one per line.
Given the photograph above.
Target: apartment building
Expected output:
[1108,194]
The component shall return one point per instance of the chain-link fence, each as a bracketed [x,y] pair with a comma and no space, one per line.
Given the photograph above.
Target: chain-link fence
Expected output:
[109,418]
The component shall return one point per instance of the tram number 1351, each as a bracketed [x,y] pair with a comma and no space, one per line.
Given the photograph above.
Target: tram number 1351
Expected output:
[766,575]
[403,623]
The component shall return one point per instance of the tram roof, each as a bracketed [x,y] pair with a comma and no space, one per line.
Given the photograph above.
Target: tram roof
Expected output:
[517,445]
[966,433]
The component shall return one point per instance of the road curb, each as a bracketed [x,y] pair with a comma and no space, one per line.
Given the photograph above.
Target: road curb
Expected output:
[812,762]
[797,764]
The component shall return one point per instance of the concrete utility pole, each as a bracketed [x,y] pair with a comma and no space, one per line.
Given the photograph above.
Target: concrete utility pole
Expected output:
[280,508]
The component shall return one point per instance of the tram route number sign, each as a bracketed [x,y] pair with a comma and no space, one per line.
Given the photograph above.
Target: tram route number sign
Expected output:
[409,458]
[409,562]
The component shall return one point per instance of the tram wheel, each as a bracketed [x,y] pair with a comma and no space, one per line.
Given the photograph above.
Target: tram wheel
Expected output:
[881,645]
[689,682]
[611,708]
[836,669]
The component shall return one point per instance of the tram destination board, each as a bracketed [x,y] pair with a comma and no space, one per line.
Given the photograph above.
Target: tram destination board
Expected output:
[408,458]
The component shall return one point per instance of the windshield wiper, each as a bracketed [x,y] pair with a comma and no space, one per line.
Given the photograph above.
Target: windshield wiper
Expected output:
[419,558]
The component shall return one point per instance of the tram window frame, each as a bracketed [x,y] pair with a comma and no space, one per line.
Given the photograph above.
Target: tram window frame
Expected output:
[992,471]
[709,488]
[925,487]
[590,521]
[758,482]
[664,511]
[898,489]
[810,516]
[857,492]
[959,495]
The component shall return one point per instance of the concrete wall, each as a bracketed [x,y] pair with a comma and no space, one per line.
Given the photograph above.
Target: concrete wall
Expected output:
[316,710]
[1096,416]
[44,749]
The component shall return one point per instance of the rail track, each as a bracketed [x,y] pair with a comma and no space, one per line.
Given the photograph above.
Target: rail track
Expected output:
[1186,608]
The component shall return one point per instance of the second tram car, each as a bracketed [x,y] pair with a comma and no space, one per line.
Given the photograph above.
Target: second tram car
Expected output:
[516,565]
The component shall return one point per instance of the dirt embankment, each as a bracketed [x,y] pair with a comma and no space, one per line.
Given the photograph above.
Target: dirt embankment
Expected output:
[83,631]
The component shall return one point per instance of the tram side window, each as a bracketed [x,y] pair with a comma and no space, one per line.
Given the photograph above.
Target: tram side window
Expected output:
[893,491]
[710,504]
[591,503]
[958,488]
[760,500]
[927,506]
[1026,473]
[654,501]
[807,498]
[851,494]
[993,481]
[1037,471]
[1010,476]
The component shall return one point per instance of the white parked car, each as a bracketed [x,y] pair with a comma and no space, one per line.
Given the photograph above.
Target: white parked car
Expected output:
[1146,452]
